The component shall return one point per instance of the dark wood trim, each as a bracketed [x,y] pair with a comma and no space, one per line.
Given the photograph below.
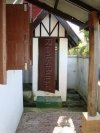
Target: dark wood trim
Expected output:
[40,29]
[47,37]
[58,28]
[55,11]
[66,34]
[82,5]
[45,28]
[56,3]
[93,63]
[49,23]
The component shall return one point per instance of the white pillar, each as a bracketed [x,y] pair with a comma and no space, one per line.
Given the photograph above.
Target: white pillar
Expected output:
[63,48]
[35,65]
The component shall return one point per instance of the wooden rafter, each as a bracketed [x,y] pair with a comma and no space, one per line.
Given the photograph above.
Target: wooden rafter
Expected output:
[56,3]
[55,11]
[82,5]
[37,21]
[69,30]
[84,26]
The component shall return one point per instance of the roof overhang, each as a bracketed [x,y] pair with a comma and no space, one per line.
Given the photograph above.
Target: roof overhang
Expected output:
[75,11]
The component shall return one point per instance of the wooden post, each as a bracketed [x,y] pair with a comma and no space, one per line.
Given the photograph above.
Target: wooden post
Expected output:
[93,63]
[2,42]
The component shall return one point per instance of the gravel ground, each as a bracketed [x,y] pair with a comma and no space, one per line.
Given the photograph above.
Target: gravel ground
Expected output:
[50,121]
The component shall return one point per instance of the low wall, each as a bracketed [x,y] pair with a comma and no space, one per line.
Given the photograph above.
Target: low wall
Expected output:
[78,74]
[83,76]
[11,102]
[72,72]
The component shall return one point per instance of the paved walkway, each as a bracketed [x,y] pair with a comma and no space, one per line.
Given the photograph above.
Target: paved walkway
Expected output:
[64,120]
[50,121]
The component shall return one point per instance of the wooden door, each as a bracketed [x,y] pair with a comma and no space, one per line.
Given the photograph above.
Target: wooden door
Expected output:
[18,36]
[47,64]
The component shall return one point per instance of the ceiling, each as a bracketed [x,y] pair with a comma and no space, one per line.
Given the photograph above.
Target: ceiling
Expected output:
[75,11]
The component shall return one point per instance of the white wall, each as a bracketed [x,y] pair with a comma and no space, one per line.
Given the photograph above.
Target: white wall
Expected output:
[78,74]
[83,76]
[11,102]
[72,72]
[63,45]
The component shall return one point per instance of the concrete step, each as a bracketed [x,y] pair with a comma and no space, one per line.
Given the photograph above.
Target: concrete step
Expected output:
[48,102]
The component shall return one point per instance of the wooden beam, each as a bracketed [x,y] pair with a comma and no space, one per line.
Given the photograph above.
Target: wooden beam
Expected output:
[84,26]
[55,11]
[56,3]
[93,63]
[82,5]
[69,30]
[39,18]
[2,42]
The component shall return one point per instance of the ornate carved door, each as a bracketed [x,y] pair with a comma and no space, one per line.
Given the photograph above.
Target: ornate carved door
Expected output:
[47,64]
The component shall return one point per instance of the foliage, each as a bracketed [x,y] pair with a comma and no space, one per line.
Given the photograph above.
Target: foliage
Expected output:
[83,48]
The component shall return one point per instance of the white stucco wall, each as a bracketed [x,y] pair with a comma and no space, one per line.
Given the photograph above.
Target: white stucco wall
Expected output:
[83,76]
[63,67]
[72,72]
[35,67]
[11,102]
[78,74]
[63,44]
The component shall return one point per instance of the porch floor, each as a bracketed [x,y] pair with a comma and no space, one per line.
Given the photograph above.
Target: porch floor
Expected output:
[50,120]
